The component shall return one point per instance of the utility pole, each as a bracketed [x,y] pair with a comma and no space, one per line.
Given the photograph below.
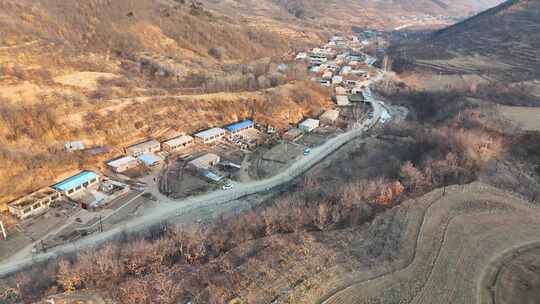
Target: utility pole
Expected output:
[3,230]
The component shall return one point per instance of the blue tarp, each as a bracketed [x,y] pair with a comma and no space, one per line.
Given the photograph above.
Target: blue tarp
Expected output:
[75,181]
[239,125]
[149,159]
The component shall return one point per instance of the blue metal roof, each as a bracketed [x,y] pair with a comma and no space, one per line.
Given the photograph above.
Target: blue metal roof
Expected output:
[149,158]
[75,181]
[239,125]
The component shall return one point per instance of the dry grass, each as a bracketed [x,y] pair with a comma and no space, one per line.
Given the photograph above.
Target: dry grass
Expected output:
[528,118]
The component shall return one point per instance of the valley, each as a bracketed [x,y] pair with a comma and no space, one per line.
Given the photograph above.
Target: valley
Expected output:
[269,151]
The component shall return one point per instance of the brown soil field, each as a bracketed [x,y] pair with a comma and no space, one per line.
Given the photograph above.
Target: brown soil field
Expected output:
[518,281]
[528,118]
[447,245]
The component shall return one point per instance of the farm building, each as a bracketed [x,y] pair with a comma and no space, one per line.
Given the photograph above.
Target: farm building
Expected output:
[77,183]
[309,125]
[342,100]
[329,116]
[177,143]
[210,135]
[239,128]
[340,90]
[149,146]
[205,162]
[123,164]
[34,203]
[149,159]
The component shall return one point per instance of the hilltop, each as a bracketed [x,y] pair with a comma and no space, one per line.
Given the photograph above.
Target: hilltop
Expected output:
[502,43]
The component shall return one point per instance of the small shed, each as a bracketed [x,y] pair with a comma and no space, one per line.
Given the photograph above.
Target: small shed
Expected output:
[205,162]
[342,100]
[213,176]
[72,146]
[149,159]
[309,125]
[123,164]
[149,146]
[329,116]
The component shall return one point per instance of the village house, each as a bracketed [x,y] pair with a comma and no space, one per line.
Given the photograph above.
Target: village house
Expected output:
[123,163]
[77,183]
[239,128]
[210,135]
[342,100]
[329,117]
[34,203]
[205,161]
[340,90]
[308,125]
[149,159]
[149,146]
[177,143]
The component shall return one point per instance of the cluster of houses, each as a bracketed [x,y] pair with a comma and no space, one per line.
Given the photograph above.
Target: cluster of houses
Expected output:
[143,153]
[341,64]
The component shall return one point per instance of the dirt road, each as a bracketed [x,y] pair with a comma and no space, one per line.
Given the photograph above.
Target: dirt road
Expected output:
[169,208]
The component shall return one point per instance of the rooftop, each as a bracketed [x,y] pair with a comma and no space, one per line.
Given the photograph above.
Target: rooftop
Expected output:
[75,180]
[239,125]
[149,158]
[179,140]
[151,142]
[121,161]
[210,133]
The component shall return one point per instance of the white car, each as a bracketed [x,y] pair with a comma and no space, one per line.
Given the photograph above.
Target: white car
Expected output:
[227,186]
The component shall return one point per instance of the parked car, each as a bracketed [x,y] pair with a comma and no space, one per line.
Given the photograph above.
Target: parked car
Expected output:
[227,185]
[307,151]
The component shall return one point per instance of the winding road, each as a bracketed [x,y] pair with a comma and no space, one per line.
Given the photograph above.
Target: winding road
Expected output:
[169,209]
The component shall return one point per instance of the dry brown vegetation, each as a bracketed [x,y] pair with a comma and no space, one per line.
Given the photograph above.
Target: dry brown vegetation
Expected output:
[210,263]
[150,55]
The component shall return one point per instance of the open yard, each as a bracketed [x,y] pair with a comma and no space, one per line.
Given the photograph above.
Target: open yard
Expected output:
[528,118]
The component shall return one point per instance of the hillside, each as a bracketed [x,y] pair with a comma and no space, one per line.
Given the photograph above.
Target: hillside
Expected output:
[341,14]
[502,43]
[108,72]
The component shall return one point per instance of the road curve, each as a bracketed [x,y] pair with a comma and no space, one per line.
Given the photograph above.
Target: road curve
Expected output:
[171,208]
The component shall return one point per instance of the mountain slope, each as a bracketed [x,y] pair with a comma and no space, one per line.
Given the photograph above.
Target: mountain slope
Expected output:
[341,14]
[502,42]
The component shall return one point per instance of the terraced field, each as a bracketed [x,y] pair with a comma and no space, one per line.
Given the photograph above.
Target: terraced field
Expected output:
[453,250]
